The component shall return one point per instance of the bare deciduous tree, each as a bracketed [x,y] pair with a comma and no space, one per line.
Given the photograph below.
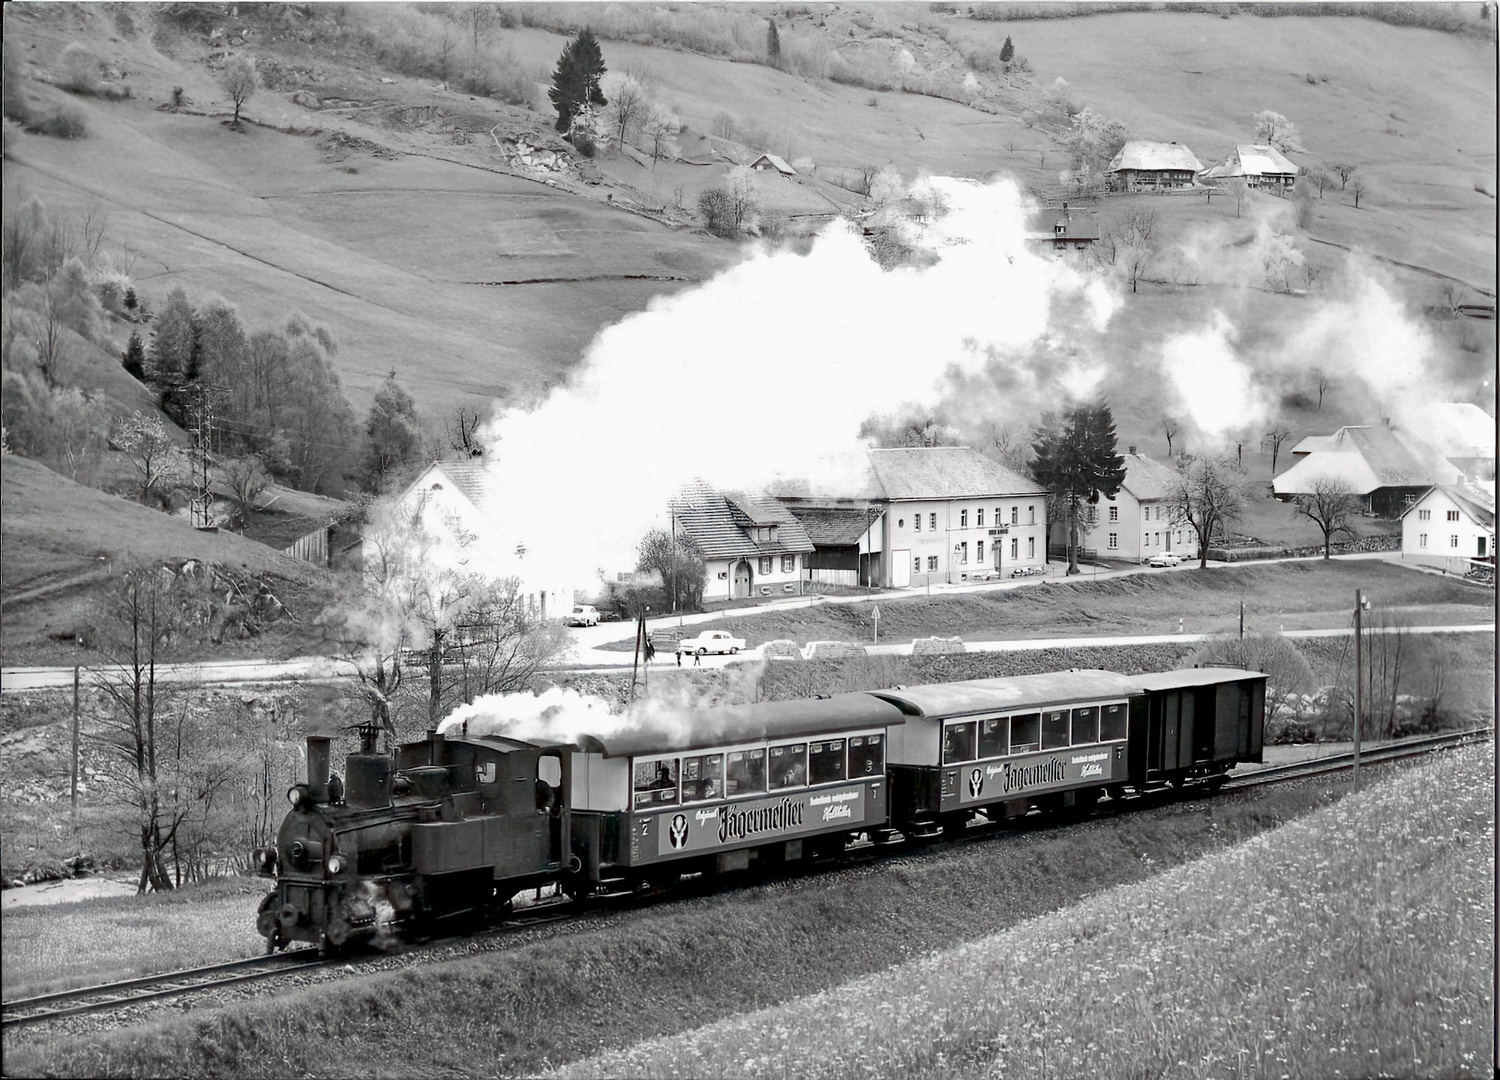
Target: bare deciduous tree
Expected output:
[246,480]
[462,429]
[1275,437]
[1208,497]
[628,103]
[1169,427]
[1324,383]
[239,83]
[1288,671]
[159,462]
[1331,506]
[1344,172]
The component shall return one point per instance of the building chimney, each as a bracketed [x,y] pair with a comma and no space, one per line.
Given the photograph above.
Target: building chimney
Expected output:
[1131,448]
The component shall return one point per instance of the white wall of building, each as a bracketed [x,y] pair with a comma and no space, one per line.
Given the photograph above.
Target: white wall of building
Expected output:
[1437,531]
[929,531]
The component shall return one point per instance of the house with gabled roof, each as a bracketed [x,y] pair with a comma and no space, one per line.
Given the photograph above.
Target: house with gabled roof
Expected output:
[1258,164]
[1387,469]
[1153,166]
[925,515]
[1450,526]
[452,498]
[771,161]
[1137,523]
[751,545]
[1063,229]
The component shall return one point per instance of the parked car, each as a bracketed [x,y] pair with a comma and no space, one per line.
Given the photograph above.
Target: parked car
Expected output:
[1165,558]
[582,615]
[711,641]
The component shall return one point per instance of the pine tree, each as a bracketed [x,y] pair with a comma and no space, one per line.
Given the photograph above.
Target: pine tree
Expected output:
[1007,51]
[576,80]
[1076,461]
[134,357]
[773,41]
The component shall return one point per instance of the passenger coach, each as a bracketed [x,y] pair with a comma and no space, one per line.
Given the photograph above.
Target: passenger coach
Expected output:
[1002,746]
[769,782]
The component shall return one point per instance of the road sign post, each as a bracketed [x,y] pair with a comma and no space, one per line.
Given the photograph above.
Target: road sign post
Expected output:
[875,617]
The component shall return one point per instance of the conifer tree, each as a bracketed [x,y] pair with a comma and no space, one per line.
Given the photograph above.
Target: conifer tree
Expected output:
[1007,51]
[773,41]
[134,358]
[1076,461]
[575,83]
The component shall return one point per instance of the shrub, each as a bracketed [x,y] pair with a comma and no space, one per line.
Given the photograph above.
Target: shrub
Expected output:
[714,209]
[80,70]
[64,121]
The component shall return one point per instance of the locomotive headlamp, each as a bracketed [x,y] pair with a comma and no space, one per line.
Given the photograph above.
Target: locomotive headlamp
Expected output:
[335,864]
[297,796]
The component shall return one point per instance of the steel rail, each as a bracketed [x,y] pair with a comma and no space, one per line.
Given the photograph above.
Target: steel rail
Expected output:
[125,992]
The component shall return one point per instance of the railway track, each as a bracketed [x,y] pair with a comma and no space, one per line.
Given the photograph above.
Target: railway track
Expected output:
[117,995]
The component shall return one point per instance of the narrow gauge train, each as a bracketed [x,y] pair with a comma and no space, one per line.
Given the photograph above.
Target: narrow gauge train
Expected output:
[458,825]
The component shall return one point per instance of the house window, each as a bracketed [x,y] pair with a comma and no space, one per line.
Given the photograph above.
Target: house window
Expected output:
[979,518]
[963,558]
[1031,515]
[1145,513]
[932,564]
[900,523]
[1114,513]
[788,563]
[979,552]
[1031,547]
[963,519]
[1015,548]
[932,522]
[765,564]
[916,565]
[1015,515]
[1452,515]
[916,523]
[1114,540]
[1146,540]
[1453,540]
[1422,540]
[998,518]
[1424,515]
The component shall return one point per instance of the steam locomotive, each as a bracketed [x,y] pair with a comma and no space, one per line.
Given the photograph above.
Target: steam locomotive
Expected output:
[454,825]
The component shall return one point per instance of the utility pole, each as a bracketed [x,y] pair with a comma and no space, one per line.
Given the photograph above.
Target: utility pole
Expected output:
[1360,605]
[1242,620]
[73,812]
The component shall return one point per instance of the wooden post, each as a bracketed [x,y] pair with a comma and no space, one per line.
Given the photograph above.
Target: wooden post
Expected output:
[73,811]
[1359,679]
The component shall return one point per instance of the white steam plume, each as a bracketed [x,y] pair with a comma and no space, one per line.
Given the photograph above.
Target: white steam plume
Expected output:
[764,370]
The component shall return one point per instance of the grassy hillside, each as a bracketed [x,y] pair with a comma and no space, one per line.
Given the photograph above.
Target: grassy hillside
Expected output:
[389,241]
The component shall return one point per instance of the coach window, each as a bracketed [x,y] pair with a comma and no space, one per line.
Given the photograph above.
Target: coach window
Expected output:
[1112,723]
[993,737]
[746,772]
[788,766]
[655,782]
[958,742]
[866,755]
[825,762]
[703,778]
[1025,733]
[1086,725]
[1055,729]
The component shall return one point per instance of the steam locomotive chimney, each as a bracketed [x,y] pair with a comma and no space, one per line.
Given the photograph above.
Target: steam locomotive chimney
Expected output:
[317,766]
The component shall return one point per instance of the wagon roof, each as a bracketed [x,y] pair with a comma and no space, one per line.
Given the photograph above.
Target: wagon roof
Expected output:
[1003,695]
[1204,676]
[725,725]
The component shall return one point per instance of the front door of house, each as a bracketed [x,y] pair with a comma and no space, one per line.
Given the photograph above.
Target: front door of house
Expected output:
[1481,547]
[741,579]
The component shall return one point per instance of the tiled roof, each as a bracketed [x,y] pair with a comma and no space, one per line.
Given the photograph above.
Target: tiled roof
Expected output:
[835,527]
[1389,459]
[1366,458]
[945,472]
[1454,429]
[1148,479]
[716,522]
[1152,156]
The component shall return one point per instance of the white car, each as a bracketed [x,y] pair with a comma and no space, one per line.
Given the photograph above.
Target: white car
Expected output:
[1165,558]
[582,615]
[711,641]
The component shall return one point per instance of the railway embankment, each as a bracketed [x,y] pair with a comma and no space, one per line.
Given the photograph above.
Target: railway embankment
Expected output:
[525,1003]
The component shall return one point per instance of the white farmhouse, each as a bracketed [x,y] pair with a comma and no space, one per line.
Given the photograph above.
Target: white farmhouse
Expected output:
[1137,523]
[1449,526]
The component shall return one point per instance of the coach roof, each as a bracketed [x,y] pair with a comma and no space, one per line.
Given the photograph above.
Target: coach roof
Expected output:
[727,725]
[1204,676]
[1010,695]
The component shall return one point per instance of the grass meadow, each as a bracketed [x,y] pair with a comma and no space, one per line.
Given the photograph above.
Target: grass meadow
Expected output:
[58,947]
[1356,942]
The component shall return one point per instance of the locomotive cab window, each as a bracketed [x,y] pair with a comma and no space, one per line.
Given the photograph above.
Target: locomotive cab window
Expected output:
[1086,725]
[655,783]
[866,755]
[1055,729]
[1112,723]
[788,766]
[825,762]
[958,742]
[1025,733]
[746,772]
[703,778]
[994,737]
